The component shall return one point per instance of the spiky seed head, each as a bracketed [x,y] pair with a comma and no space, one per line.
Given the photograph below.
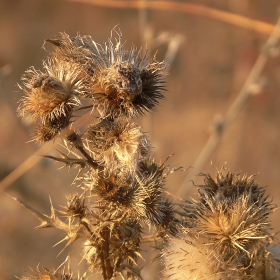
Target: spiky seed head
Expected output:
[231,185]
[48,130]
[74,139]
[79,50]
[119,190]
[123,83]
[117,144]
[228,227]
[52,94]
[75,205]
[126,238]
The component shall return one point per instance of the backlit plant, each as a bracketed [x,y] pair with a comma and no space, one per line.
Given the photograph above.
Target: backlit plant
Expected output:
[226,234]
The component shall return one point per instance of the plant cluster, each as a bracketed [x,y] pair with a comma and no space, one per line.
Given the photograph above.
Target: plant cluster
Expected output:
[226,233]
[120,186]
[121,183]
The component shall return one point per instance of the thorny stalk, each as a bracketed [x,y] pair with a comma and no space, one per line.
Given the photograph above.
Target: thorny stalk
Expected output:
[120,182]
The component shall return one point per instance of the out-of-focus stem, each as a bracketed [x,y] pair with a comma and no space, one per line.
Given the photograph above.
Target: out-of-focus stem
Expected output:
[104,254]
[188,8]
[232,112]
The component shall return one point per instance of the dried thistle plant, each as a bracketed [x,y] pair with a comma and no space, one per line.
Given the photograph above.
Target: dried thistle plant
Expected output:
[121,185]
[224,235]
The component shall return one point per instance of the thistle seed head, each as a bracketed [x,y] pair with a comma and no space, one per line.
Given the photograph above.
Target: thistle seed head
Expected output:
[227,231]
[126,84]
[121,83]
[231,185]
[117,192]
[126,237]
[117,144]
[48,130]
[79,50]
[53,94]
[75,206]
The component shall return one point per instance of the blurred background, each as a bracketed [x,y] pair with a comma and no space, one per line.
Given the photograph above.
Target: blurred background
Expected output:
[209,61]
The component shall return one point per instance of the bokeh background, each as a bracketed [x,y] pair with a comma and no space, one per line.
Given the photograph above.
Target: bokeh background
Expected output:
[206,73]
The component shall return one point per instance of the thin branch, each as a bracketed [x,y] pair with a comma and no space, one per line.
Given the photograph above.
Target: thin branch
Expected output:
[73,232]
[173,47]
[90,160]
[25,166]
[37,156]
[235,108]
[188,8]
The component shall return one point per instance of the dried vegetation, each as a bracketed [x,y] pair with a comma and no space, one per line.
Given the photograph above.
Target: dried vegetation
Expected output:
[120,194]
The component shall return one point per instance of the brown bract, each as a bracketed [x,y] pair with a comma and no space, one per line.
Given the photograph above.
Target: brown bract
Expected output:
[52,94]
[117,144]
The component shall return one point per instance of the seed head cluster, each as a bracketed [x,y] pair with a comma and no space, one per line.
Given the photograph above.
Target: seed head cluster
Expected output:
[121,185]
[120,200]
[226,234]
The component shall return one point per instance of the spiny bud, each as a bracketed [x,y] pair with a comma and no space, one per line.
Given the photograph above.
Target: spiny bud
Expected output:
[75,139]
[48,130]
[117,144]
[125,241]
[141,198]
[75,206]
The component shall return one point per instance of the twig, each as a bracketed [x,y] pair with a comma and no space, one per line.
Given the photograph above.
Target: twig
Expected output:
[232,112]
[37,156]
[25,166]
[188,8]
[173,47]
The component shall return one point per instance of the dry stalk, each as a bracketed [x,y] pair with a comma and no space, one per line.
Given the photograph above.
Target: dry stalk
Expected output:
[188,8]
[222,124]
[121,185]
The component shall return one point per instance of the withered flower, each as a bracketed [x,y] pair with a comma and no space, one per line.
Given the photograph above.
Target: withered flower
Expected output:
[52,94]
[80,50]
[227,231]
[126,84]
[140,198]
[117,144]
[122,82]
[46,131]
